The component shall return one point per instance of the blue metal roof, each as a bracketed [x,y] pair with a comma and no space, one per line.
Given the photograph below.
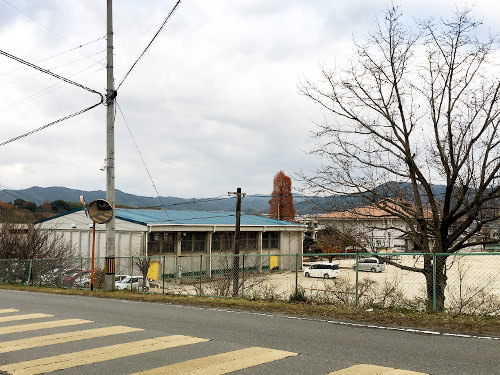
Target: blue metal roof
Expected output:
[148,217]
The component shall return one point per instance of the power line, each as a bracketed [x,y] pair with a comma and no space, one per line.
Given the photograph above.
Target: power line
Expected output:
[33,19]
[10,192]
[46,71]
[51,123]
[150,43]
[140,154]
[193,218]
[57,67]
[56,55]
[50,88]
[58,77]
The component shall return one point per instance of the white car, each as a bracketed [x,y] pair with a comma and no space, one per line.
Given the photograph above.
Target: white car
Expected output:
[324,270]
[131,283]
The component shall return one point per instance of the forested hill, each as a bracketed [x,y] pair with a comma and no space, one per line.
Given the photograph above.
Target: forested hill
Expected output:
[250,204]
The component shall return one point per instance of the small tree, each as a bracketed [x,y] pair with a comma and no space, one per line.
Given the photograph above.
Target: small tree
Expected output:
[331,241]
[60,206]
[281,203]
[46,206]
[28,241]
[143,264]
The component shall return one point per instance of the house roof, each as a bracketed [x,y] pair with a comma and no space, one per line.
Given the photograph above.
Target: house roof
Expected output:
[175,217]
[387,209]
[181,217]
[358,212]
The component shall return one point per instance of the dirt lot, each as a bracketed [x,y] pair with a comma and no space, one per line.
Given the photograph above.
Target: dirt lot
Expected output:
[473,282]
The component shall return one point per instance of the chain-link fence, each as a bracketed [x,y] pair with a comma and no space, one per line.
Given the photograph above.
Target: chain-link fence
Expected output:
[467,283]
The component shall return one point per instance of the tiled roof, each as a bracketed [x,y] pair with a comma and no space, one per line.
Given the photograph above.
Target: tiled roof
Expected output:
[386,209]
[359,212]
[146,217]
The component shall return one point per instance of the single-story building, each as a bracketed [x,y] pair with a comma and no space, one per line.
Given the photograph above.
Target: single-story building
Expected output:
[180,235]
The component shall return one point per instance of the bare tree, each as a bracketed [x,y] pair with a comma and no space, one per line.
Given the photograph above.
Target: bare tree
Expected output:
[143,264]
[412,111]
[28,241]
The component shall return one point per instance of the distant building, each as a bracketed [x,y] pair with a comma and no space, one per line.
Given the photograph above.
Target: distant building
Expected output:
[372,227]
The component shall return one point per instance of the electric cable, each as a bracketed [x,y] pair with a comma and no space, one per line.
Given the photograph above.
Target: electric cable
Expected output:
[140,155]
[50,88]
[150,43]
[51,123]
[56,55]
[62,79]
[56,67]
[34,19]
[46,71]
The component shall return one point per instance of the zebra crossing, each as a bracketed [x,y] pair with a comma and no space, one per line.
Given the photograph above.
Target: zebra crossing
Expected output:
[215,364]
[41,337]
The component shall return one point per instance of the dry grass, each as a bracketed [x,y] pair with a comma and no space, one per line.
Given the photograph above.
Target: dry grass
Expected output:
[442,322]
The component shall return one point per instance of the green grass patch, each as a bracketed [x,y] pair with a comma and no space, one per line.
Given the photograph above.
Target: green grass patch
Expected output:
[441,322]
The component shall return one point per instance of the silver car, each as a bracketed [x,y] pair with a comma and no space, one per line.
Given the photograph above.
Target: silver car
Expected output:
[370,264]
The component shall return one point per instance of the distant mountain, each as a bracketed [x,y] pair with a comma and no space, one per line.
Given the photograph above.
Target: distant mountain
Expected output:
[256,204]
[251,203]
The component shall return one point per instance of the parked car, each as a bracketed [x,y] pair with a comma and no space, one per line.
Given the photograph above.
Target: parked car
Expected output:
[131,283]
[73,277]
[84,281]
[324,270]
[370,264]
[119,278]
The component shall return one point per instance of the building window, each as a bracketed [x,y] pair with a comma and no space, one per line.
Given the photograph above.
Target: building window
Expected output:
[193,242]
[222,241]
[248,240]
[271,240]
[161,243]
[168,243]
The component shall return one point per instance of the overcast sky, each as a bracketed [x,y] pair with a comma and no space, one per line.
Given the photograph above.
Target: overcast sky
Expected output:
[212,106]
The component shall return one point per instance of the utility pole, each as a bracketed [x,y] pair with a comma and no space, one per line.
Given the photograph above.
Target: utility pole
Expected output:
[236,256]
[109,274]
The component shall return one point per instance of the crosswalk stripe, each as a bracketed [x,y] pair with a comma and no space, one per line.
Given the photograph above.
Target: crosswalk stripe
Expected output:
[373,370]
[106,353]
[42,325]
[5,311]
[12,318]
[59,338]
[222,363]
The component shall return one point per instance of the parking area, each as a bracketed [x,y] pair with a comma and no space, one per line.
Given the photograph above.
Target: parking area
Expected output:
[470,277]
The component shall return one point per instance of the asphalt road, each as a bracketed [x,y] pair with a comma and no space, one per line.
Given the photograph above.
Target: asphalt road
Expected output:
[314,346]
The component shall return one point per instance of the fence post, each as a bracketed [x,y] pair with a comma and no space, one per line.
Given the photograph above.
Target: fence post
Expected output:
[357,297]
[201,265]
[434,282]
[163,275]
[243,276]
[132,266]
[296,275]
[30,264]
